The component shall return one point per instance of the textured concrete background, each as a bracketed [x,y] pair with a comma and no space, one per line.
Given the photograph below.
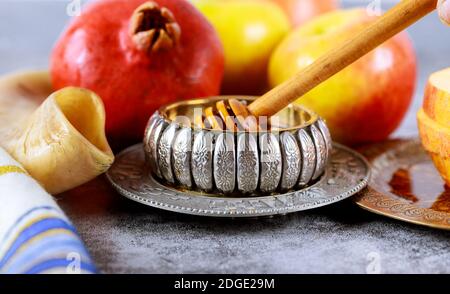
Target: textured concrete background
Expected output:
[125,237]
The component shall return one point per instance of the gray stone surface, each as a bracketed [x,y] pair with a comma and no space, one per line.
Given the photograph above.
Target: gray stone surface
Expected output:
[125,237]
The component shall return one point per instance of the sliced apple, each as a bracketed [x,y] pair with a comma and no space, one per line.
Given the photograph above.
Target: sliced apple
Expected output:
[436,140]
[436,102]
[435,137]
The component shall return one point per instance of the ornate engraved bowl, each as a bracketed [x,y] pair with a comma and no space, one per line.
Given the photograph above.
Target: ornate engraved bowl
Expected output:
[291,155]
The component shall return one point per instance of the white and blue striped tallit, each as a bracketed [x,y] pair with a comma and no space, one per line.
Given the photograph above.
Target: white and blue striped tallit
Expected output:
[35,235]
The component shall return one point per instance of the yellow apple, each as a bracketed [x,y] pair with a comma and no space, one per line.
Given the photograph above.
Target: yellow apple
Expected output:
[249,31]
[301,11]
[367,100]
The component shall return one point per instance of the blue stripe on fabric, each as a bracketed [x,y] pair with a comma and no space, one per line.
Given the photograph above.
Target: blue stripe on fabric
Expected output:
[58,263]
[54,245]
[21,218]
[34,230]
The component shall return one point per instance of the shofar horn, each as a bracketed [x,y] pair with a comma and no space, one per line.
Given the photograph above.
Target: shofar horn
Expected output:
[59,140]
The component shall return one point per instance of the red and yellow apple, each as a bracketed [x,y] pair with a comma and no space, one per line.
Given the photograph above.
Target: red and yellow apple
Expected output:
[366,101]
[301,11]
[434,121]
[249,31]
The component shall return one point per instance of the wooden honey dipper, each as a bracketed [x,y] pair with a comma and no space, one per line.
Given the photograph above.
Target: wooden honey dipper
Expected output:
[391,23]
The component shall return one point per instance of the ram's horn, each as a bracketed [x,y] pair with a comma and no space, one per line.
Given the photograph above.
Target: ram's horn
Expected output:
[60,140]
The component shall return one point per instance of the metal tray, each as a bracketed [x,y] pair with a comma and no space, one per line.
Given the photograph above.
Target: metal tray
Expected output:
[405,185]
[346,174]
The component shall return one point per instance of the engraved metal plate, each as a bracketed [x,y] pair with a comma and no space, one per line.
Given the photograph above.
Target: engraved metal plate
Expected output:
[270,162]
[321,151]
[182,157]
[224,165]
[165,152]
[155,132]
[347,174]
[405,185]
[308,158]
[201,163]
[247,163]
[291,161]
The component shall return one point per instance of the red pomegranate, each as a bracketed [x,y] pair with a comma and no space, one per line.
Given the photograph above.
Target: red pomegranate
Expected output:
[138,55]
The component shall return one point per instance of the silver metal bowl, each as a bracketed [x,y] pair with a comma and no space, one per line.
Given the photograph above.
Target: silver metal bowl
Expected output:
[292,155]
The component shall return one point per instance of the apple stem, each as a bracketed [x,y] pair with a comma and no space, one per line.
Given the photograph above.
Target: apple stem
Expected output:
[153,28]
